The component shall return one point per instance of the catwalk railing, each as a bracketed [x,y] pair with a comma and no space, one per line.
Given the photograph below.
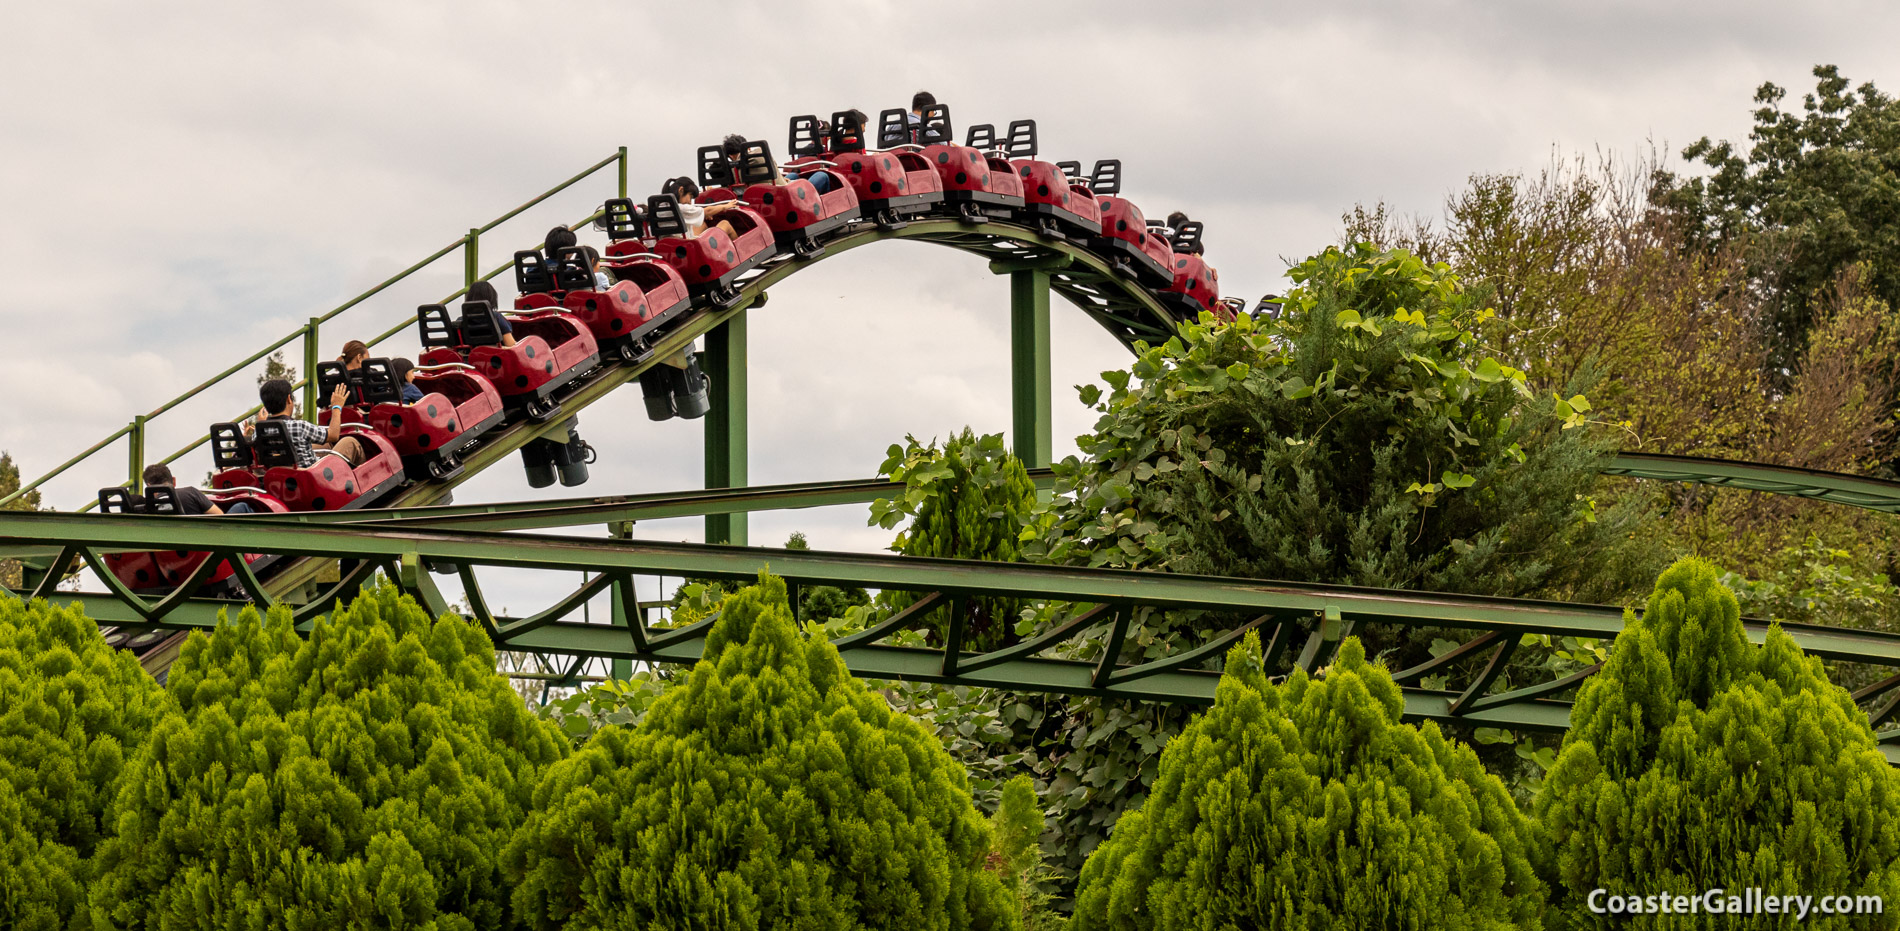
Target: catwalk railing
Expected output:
[135,432]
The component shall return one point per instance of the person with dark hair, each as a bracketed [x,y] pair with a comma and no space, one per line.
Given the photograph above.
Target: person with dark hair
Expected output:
[692,214]
[862,122]
[191,501]
[406,379]
[355,353]
[559,238]
[919,102]
[1176,220]
[485,292]
[306,438]
[602,281]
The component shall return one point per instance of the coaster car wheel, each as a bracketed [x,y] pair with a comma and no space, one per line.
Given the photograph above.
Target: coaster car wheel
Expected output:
[969,212]
[443,467]
[807,248]
[889,219]
[631,351]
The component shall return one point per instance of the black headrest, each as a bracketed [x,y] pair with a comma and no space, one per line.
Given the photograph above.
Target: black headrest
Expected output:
[981,136]
[120,500]
[531,273]
[755,163]
[377,381]
[437,328]
[804,137]
[571,272]
[1022,139]
[161,499]
[273,444]
[230,448]
[663,216]
[624,220]
[1073,170]
[893,128]
[332,374]
[1107,177]
[935,124]
[847,132]
[1187,238]
[714,169]
[481,324]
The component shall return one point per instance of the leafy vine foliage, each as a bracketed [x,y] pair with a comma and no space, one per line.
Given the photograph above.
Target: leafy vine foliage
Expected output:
[1366,438]
[968,500]
[367,774]
[72,711]
[1308,805]
[1698,760]
[769,789]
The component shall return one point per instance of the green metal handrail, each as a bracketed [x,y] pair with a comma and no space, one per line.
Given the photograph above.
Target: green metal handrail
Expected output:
[469,242]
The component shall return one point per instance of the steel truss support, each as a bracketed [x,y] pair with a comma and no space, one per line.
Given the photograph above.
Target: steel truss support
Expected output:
[726,454]
[1095,607]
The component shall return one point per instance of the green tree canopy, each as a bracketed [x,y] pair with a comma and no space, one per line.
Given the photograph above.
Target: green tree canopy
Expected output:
[1813,194]
[368,774]
[769,789]
[1697,760]
[72,710]
[1308,805]
[968,499]
[1364,438]
[10,483]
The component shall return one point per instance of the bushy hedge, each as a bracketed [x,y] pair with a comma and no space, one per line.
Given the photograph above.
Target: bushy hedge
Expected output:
[1308,805]
[72,709]
[369,774]
[769,789]
[1698,760]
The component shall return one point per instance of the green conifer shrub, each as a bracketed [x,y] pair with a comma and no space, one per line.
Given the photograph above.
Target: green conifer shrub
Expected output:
[1308,805]
[1697,760]
[72,710]
[766,789]
[368,774]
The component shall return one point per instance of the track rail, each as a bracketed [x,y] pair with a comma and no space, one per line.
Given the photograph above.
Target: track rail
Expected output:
[1301,623]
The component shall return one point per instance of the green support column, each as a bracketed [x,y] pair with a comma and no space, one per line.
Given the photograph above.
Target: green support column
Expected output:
[725,364]
[623,593]
[310,360]
[1030,430]
[135,454]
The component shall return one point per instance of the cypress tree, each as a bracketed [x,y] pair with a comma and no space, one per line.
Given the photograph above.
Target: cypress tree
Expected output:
[368,774]
[1696,760]
[769,789]
[1308,805]
[72,709]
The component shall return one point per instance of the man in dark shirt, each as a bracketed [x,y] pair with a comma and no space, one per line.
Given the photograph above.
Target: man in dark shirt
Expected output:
[191,501]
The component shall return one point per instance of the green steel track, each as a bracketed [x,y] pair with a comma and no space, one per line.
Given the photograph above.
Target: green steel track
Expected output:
[1302,624]
[1126,309]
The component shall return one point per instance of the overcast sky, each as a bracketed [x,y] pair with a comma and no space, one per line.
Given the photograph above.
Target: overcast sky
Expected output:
[184,182]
